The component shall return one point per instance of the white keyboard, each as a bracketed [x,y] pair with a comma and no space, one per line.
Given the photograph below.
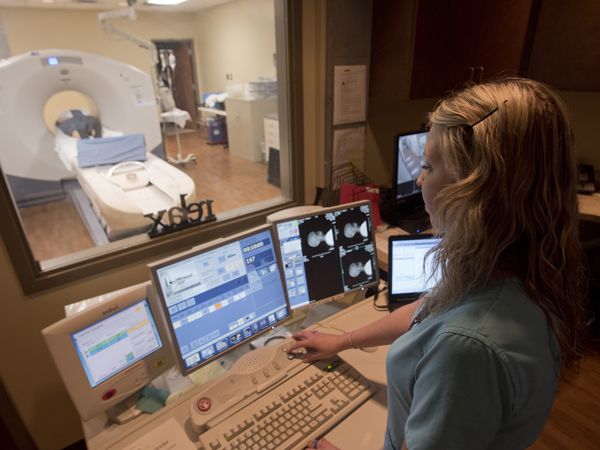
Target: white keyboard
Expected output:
[267,401]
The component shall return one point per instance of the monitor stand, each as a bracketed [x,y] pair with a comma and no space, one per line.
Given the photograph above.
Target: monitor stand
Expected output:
[409,216]
[322,311]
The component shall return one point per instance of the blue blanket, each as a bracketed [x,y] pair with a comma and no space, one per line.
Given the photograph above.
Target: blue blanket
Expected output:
[111,150]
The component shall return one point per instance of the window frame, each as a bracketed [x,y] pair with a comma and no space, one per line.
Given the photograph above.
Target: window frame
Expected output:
[288,30]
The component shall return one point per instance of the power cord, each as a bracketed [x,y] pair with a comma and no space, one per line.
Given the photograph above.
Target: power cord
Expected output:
[375,293]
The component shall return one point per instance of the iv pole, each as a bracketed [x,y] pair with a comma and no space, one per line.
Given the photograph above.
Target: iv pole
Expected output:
[110,29]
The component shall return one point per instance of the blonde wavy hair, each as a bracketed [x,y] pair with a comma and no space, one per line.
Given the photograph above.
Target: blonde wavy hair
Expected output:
[512,203]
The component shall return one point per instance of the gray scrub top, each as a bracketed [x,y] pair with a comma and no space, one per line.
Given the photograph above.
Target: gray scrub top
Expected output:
[480,376]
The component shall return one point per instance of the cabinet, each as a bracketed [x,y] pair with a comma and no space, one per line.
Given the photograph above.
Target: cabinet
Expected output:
[566,49]
[271,132]
[424,48]
[245,125]
[468,39]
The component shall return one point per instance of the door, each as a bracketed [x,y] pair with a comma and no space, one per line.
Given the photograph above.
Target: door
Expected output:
[184,77]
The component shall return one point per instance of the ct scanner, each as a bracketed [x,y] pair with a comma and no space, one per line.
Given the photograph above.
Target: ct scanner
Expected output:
[126,102]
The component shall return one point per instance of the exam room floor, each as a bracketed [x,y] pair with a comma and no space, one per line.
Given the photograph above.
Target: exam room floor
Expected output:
[55,229]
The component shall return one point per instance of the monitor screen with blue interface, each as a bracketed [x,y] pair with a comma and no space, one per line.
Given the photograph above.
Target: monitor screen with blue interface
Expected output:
[328,253]
[111,345]
[220,295]
[409,271]
[408,162]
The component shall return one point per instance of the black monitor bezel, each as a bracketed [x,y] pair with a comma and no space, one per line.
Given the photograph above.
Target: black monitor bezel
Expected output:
[164,312]
[407,297]
[318,212]
[414,197]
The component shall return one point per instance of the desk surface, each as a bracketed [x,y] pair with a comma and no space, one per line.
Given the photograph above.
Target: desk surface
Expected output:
[364,428]
[589,207]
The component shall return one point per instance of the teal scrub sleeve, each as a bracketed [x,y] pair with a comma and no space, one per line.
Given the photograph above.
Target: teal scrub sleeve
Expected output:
[462,394]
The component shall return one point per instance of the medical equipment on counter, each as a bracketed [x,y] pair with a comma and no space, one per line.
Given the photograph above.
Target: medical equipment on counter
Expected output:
[219,295]
[243,408]
[110,351]
[326,252]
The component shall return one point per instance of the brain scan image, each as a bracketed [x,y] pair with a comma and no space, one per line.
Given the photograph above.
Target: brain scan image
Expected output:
[357,268]
[351,229]
[315,238]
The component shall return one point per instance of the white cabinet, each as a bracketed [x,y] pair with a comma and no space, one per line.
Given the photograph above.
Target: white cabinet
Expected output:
[271,132]
[245,125]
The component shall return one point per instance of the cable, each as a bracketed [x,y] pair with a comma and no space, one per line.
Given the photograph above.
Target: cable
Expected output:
[377,307]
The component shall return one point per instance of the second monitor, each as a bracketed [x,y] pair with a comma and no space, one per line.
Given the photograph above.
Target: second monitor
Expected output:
[327,253]
[216,296]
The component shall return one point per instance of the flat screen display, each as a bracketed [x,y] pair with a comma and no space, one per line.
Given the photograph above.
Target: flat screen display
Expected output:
[327,254]
[117,342]
[408,162]
[410,273]
[217,298]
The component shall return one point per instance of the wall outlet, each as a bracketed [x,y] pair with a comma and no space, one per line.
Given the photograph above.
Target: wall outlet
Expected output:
[229,76]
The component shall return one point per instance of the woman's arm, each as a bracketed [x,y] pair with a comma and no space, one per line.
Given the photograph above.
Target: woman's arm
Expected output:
[381,332]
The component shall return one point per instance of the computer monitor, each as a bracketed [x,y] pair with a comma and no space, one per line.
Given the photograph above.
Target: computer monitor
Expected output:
[219,295]
[409,272]
[405,208]
[408,162]
[107,352]
[327,253]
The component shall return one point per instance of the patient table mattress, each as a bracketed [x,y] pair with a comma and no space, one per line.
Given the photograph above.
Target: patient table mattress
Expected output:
[120,209]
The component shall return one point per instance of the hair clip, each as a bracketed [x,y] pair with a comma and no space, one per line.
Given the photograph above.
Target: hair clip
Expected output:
[468,129]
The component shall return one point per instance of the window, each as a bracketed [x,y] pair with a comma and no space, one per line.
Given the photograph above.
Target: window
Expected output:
[209,49]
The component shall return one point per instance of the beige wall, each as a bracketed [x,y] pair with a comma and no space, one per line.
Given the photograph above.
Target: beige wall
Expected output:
[27,370]
[30,29]
[236,38]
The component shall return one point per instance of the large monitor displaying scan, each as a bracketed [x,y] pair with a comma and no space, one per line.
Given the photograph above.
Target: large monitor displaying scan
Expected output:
[109,351]
[221,294]
[327,253]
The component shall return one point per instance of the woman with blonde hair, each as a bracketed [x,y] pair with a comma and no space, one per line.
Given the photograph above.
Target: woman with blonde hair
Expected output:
[475,363]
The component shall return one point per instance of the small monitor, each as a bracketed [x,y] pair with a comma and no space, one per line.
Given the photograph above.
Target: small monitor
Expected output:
[219,295]
[408,162]
[409,273]
[111,350]
[327,253]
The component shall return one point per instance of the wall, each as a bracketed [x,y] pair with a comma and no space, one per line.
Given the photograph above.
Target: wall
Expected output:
[313,50]
[585,107]
[30,29]
[388,116]
[237,38]
[27,370]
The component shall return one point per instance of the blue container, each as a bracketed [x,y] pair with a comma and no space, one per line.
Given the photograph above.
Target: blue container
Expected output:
[216,129]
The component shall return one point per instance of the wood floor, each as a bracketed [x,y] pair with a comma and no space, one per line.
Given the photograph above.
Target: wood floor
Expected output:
[574,422]
[55,229]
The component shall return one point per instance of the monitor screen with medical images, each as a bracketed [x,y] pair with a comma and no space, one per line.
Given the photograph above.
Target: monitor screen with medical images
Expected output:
[328,253]
[220,295]
[111,349]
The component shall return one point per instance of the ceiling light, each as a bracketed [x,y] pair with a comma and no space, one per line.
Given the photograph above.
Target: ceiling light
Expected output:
[164,2]
[47,1]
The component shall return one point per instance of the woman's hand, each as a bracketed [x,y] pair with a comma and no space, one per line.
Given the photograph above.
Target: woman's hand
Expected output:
[319,345]
[321,444]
